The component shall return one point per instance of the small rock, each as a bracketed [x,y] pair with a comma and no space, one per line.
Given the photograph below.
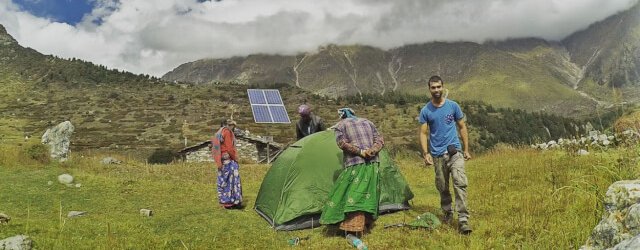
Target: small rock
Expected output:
[65,178]
[49,183]
[146,212]
[4,218]
[18,242]
[78,185]
[111,160]
[583,152]
[73,214]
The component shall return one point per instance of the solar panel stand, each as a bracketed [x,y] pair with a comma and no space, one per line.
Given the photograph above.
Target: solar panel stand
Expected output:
[268,139]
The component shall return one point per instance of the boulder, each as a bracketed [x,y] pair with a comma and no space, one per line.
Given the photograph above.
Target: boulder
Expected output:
[632,220]
[620,223]
[633,243]
[58,138]
[18,242]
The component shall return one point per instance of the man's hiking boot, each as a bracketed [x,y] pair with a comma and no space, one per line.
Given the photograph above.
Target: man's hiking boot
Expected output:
[448,218]
[464,227]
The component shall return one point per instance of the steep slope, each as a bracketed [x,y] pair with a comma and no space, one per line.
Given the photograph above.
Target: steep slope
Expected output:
[108,107]
[609,53]
[33,67]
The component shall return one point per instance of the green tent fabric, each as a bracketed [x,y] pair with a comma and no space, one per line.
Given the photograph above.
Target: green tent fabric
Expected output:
[298,183]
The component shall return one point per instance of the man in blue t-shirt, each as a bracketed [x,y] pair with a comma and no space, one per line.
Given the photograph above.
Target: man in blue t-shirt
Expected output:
[441,119]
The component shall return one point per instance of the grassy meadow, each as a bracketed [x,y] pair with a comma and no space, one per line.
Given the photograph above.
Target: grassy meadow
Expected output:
[518,199]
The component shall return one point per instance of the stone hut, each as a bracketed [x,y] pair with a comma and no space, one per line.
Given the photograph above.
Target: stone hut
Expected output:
[249,146]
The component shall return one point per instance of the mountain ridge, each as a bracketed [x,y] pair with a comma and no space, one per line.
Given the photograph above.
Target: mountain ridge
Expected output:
[527,73]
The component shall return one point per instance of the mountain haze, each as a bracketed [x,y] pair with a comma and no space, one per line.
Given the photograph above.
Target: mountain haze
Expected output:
[569,77]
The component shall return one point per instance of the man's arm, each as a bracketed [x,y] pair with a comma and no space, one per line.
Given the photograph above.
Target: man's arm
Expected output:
[424,143]
[462,127]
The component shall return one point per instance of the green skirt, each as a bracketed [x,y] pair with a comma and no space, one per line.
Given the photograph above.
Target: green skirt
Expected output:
[356,189]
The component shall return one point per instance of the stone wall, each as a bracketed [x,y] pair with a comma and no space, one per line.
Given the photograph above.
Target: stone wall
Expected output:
[248,150]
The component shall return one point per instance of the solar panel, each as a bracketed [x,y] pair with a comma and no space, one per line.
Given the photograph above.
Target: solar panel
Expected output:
[256,96]
[279,114]
[261,113]
[273,96]
[267,106]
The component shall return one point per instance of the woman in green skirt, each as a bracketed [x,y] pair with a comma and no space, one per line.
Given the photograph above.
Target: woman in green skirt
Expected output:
[353,200]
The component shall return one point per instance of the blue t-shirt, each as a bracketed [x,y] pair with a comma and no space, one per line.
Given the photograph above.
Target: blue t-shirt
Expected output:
[442,126]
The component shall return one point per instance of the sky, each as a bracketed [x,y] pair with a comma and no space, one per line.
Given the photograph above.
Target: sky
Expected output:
[155,36]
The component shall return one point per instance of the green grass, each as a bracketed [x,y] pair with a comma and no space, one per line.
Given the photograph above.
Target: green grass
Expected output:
[518,199]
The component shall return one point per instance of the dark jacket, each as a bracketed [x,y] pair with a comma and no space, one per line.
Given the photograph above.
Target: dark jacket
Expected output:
[310,126]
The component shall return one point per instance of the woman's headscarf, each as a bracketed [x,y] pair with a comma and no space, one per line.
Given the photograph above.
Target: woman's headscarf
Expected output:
[346,113]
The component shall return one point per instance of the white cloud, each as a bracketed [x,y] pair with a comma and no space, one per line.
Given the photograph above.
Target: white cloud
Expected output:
[154,37]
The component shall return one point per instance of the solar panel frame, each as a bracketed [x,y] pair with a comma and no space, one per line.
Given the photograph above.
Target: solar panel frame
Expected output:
[267,106]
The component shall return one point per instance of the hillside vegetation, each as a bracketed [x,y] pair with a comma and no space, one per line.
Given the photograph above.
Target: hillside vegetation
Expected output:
[162,115]
[120,110]
[518,199]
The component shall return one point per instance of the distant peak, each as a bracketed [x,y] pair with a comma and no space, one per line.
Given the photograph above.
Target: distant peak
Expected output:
[5,38]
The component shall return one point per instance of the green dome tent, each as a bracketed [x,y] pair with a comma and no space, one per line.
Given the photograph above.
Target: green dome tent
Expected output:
[298,183]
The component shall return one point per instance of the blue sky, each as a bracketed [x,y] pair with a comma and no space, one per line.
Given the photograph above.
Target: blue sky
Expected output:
[67,11]
[155,36]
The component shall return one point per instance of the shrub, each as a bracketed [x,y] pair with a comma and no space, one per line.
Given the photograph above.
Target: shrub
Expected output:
[38,152]
[161,156]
